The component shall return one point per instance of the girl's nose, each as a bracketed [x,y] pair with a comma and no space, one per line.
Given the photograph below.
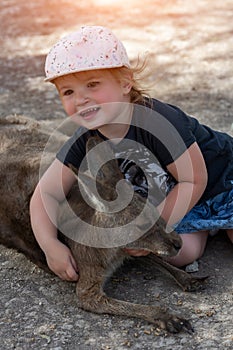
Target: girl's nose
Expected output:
[80,98]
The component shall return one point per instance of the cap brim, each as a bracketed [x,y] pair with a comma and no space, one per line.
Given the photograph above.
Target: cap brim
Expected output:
[50,79]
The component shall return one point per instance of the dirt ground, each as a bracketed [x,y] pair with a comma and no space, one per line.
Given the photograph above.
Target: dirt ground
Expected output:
[190,50]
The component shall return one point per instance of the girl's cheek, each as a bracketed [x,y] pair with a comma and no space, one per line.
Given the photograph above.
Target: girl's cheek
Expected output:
[68,106]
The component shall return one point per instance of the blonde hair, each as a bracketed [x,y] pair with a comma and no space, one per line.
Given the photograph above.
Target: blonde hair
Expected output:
[133,75]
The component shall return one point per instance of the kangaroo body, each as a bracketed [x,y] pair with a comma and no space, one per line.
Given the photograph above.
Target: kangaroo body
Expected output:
[22,142]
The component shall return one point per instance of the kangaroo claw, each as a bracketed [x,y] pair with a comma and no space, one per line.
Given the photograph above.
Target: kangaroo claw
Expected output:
[175,324]
[179,324]
[195,284]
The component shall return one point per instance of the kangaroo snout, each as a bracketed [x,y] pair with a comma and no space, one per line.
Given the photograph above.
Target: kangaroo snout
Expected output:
[176,241]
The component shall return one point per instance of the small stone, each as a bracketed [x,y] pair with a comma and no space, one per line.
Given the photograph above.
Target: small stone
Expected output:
[194,267]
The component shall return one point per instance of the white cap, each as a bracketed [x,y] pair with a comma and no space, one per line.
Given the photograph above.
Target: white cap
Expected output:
[92,47]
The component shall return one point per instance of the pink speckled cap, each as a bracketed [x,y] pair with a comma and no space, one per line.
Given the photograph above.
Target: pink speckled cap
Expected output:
[92,47]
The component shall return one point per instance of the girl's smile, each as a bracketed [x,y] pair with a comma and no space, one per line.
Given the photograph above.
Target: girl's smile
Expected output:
[89,112]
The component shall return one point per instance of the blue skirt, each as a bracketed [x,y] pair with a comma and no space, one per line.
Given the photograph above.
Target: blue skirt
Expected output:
[212,215]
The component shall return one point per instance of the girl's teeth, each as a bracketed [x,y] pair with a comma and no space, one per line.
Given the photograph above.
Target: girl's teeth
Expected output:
[94,109]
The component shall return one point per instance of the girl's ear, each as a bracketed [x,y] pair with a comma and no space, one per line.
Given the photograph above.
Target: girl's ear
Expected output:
[127,86]
[127,83]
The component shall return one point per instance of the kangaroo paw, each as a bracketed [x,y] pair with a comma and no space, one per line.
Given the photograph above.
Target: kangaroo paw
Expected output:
[175,324]
[194,284]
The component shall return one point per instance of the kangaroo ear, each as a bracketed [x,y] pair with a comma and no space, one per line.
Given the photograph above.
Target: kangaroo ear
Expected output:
[100,158]
[98,153]
[100,184]
[92,142]
[105,196]
[87,185]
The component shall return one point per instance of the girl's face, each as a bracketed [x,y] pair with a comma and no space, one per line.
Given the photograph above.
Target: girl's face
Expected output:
[94,98]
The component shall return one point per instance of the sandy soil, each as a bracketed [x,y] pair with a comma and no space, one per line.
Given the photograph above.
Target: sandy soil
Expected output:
[190,50]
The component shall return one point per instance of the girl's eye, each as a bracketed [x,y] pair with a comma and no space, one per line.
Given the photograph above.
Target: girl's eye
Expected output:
[93,84]
[67,92]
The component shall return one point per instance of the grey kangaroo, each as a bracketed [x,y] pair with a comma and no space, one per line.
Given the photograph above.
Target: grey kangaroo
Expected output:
[22,142]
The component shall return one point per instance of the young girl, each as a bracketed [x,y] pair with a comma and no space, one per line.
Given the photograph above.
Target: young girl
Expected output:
[91,70]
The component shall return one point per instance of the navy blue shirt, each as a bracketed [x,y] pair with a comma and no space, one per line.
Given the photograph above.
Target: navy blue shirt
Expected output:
[159,133]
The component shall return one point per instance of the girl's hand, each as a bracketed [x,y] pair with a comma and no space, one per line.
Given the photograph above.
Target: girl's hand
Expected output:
[135,252]
[61,261]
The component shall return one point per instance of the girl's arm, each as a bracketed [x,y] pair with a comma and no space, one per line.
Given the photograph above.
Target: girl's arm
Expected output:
[191,174]
[51,189]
